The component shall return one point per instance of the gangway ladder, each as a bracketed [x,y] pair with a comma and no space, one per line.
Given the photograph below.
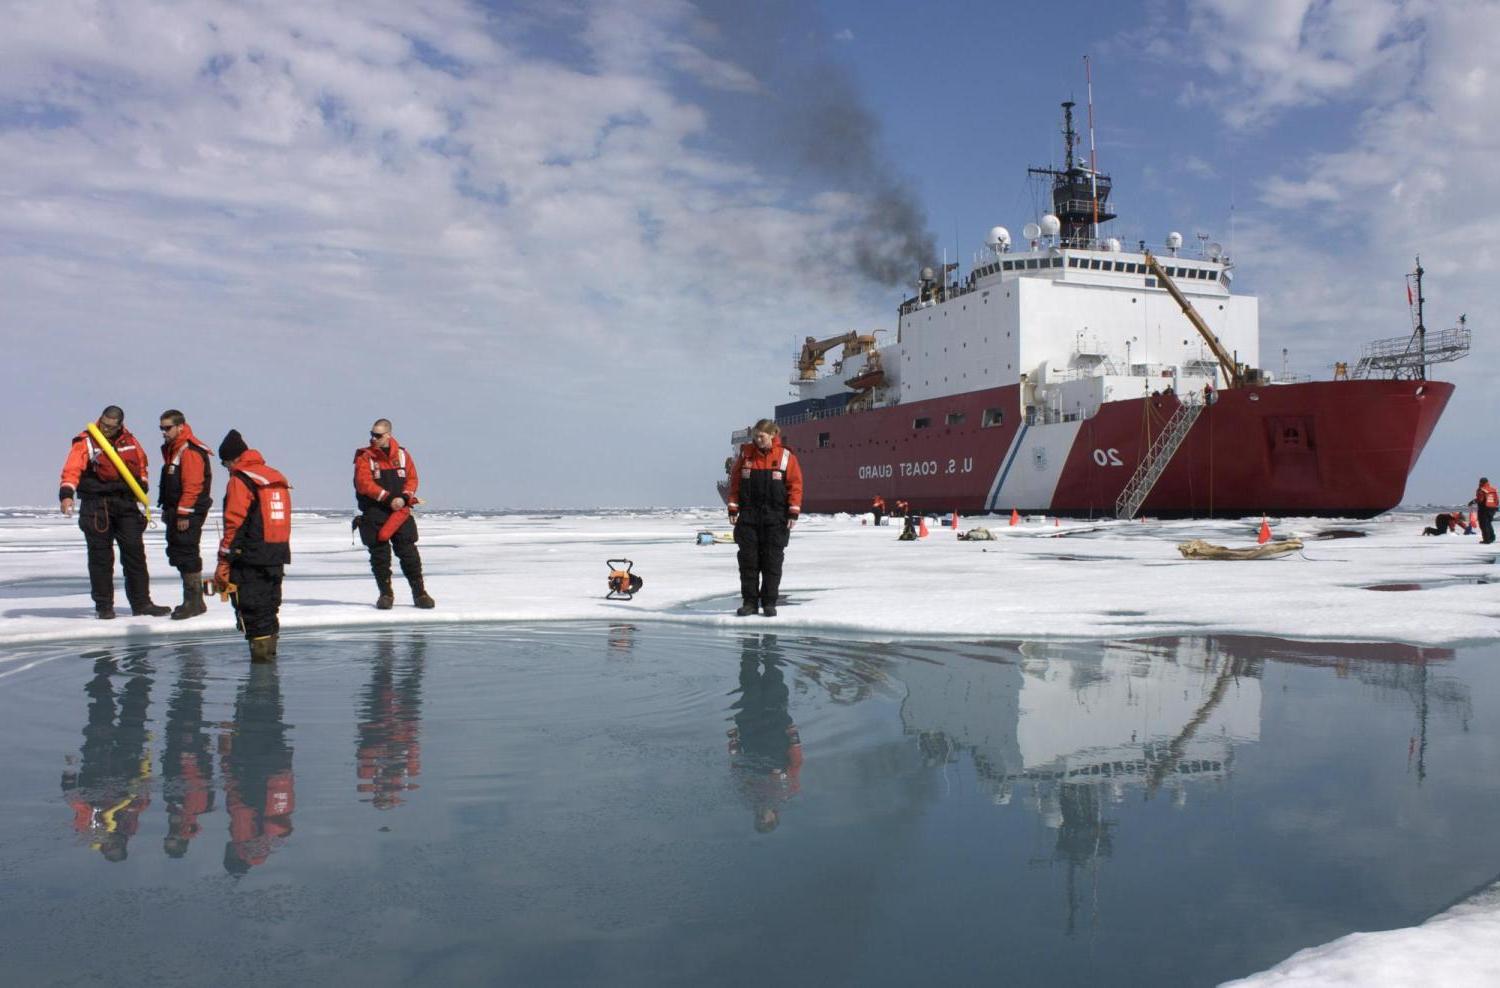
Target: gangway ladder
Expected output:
[1154,464]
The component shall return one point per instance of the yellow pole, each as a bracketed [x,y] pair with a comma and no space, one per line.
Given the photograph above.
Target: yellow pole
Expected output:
[114,458]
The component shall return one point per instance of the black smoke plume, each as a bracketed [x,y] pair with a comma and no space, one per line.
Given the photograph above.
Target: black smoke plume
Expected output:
[809,119]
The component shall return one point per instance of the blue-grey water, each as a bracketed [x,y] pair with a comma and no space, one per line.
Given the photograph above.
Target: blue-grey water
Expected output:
[657,805]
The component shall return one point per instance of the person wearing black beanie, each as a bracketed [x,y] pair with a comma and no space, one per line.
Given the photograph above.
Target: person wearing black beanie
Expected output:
[257,543]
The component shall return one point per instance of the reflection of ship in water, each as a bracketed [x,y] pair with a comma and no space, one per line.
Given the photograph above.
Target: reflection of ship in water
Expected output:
[1144,715]
[255,758]
[109,785]
[389,748]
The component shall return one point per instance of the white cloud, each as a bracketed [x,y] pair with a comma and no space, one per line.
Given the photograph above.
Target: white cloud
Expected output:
[1338,228]
[337,174]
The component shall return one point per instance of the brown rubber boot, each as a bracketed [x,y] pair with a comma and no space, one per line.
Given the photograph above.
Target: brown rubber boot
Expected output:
[263,649]
[192,598]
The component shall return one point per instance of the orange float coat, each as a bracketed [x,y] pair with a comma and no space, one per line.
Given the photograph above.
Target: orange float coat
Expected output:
[89,472]
[770,484]
[244,531]
[381,474]
[185,471]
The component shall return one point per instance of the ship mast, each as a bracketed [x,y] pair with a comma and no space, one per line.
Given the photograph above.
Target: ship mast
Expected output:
[1080,195]
[1421,326]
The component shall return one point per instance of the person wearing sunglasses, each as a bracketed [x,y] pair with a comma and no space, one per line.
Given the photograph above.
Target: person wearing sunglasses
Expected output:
[183,494]
[385,489]
[109,515]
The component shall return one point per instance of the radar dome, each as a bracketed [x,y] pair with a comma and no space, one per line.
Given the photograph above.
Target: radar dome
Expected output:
[1174,240]
[999,238]
[1215,250]
[1113,243]
[1050,225]
[1031,231]
[928,274]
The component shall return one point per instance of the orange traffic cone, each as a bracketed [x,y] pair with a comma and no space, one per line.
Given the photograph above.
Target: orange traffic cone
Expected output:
[922,528]
[1015,517]
[1265,531]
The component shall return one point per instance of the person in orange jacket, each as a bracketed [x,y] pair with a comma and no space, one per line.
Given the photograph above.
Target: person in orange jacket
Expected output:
[182,494]
[877,507]
[765,500]
[385,488]
[109,515]
[1486,500]
[764,742]
[256,545]
[109,785]
[255,760]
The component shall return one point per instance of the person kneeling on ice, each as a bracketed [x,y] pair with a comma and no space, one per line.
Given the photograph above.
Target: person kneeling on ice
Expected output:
[385,488]
[257,543]
[1446,522]
[765,498]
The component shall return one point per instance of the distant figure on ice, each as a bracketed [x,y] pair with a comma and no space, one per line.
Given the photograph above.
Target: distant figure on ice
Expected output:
[385,488]
[1445,522]
[765,498]
[109,513]
[257,543]
[183,495]
[1486,500]
[877,508]
[763,743]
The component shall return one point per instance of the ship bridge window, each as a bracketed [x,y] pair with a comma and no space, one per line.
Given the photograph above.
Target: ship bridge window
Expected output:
[1031,264]
[1057,262]
[993,417]
[1072,262]
[921,423]
[1008,265]
[955,418]
[1093,264]
[1109,265]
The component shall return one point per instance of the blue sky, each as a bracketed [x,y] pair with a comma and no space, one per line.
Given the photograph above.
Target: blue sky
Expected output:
[567,247]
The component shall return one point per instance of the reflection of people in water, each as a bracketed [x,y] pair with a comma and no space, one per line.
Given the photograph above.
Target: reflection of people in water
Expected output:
[766,749]
[256,762]
[389,750]
[187,764]
[109,787]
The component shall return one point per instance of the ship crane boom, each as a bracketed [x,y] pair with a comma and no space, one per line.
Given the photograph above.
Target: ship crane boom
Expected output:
[813,349]
[1234,375]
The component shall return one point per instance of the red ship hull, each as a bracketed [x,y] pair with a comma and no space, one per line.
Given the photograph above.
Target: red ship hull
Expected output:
[1331,448]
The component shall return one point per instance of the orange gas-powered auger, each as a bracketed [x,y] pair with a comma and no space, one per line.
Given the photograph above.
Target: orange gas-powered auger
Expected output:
[623,585]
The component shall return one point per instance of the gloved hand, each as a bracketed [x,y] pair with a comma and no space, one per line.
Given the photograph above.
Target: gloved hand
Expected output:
[221,584]
[734,519]
[398,502]
[791,523]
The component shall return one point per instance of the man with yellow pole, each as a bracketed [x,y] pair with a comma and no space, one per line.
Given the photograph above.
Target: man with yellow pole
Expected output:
[106,472]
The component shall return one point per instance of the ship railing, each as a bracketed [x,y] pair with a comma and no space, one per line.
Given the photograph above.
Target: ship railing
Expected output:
[1155,462]
[1399,356]
[812,416]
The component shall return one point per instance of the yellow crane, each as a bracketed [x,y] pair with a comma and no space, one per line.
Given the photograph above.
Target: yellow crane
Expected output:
[813,349]
[1234,372]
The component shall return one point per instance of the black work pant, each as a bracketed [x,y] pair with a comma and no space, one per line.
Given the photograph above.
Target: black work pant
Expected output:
[182,547]
[404,542]
[761,550]
[105,522]
[257,598]
[1487,524]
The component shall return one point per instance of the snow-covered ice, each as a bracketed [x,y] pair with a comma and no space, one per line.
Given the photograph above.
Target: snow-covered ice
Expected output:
[1040,579]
